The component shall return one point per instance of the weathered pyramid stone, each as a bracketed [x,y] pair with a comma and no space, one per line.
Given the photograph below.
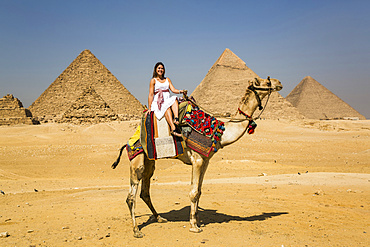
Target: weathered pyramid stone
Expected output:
[224,85]
[89,108]
[85,71]
[12,111]
[279,108]
[315,101]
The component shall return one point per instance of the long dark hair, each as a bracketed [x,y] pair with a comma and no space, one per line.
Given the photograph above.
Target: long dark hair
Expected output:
[155,69]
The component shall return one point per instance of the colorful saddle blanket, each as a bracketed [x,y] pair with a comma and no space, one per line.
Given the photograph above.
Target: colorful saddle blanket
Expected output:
[134,146]
[208,130]
[148,140]
[199,143]
[204,123]
[134,150]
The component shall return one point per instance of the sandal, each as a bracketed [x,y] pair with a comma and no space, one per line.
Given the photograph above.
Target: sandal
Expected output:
[174,133]
[176,121]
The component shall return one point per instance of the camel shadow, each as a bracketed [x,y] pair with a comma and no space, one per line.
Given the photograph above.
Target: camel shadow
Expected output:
[210,216]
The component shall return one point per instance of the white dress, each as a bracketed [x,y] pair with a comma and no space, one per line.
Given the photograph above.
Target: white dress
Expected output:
[168,99]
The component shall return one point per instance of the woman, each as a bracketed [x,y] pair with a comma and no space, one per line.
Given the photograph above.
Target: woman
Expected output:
[159,99]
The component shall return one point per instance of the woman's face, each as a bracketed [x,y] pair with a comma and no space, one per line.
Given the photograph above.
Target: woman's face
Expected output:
[160,70]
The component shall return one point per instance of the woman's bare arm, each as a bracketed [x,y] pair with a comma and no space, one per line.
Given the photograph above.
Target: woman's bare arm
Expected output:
[173,89]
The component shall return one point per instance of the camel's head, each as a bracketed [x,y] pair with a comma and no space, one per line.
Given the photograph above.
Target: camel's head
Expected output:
[265,85]
[256,91]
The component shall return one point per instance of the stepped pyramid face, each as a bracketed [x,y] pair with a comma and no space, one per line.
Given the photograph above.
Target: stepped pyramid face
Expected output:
[315,101]
[12,111]
[278,108]
[89,108]
[224,85]
[85,71]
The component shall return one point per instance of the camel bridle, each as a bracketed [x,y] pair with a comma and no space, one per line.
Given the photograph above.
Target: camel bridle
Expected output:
[252,125]
[254,89]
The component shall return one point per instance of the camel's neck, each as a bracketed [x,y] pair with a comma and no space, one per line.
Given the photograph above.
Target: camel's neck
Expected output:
[235,129]
[233,132]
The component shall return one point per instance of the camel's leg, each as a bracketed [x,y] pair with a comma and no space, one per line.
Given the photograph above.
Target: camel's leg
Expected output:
[136,173]
[199,167]
[145,189]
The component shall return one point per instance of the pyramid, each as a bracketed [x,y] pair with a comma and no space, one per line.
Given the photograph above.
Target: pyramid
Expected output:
[12,111]
[224,85]
[278,108]
[315,101]
[89,108]
[85,71]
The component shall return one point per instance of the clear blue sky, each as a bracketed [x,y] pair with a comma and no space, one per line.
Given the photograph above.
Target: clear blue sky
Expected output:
[286,39]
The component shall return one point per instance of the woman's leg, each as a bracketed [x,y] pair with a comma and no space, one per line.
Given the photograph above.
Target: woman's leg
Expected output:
[175,110]
[168,116]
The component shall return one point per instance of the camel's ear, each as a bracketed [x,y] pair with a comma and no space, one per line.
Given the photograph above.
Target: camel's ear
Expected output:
[257,82]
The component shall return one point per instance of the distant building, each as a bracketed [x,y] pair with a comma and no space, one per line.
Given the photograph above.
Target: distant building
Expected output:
[315,101]
[12,112]
[85,82]
[225,84]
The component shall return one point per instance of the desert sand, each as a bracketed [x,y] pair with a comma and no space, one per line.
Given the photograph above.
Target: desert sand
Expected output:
[303,183]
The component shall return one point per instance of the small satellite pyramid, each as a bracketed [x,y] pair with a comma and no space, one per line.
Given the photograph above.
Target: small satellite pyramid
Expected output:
[224,85]
[86,71]
[12,112]
[315,101]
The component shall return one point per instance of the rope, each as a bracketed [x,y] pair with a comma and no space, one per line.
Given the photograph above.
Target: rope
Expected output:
[231,118]
[264,106]
[200,107]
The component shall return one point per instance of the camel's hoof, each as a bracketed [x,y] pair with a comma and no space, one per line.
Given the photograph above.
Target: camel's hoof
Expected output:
[158,219]
[138,234]
[195,229]
[161,219]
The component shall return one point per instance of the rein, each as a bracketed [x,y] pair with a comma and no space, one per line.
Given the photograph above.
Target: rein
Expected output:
[254,90]
[259,103]
[260,107]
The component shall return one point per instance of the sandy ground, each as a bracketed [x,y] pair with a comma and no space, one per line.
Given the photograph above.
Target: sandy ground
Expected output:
[290,184]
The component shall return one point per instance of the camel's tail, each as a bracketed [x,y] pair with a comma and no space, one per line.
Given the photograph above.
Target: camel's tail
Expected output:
[115,164]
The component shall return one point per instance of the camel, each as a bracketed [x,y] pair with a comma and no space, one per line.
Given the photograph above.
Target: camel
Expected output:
[142,169]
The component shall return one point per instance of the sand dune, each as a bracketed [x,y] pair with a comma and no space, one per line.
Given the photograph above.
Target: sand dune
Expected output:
[303,183]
